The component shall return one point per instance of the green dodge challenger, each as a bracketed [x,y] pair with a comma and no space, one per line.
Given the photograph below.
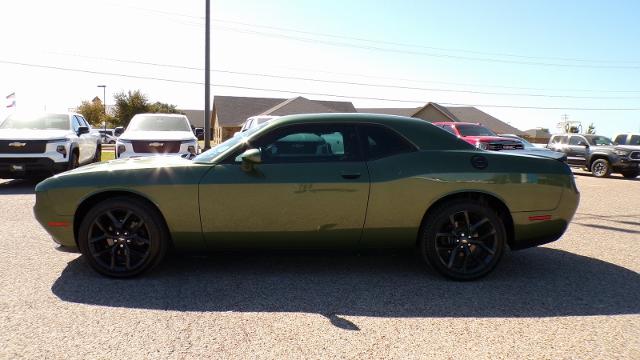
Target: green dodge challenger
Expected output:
[323,181]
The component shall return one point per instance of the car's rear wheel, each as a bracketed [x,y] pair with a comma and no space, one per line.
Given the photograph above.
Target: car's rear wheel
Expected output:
[123,237]
[630,174]
[463,239]
[601,168]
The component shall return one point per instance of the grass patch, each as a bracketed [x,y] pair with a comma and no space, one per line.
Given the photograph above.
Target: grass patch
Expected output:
[108,155]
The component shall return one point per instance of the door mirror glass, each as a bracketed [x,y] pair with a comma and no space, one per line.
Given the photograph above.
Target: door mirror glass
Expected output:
[83,130]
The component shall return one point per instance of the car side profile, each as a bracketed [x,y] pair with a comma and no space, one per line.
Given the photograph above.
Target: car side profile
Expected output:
[597,154]
[157,134]
[320,181]
[40,145]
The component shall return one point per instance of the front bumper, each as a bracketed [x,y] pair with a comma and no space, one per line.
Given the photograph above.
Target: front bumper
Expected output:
[25,167]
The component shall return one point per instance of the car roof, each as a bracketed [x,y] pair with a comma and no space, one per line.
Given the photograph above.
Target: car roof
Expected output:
[455,123]
[420,132]
[161,114]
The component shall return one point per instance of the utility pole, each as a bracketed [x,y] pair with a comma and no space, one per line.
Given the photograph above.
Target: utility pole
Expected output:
[104,104]
[207,109]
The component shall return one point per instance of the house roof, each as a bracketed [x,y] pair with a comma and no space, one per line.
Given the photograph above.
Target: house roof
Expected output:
[389,111]
[471,114]
[234,110]
[299,105]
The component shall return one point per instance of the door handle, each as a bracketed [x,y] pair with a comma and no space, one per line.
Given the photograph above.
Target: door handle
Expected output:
[350,175]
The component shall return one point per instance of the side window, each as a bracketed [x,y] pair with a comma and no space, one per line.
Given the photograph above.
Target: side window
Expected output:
[380,142]
[75,122]
[449,128]
[564,140]
[84,122]
[309,143]
[635,140]
[577,140]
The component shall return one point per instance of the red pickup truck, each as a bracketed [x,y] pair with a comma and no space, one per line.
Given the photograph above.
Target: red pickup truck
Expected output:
[480,136]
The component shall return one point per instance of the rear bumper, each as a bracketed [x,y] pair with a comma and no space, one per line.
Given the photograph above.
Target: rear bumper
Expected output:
[25,167]
[542,227]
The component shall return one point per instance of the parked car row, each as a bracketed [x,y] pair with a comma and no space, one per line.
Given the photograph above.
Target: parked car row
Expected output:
[599,154]
[41,145]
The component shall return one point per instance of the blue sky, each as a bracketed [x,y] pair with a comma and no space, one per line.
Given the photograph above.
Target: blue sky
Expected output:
[568,54]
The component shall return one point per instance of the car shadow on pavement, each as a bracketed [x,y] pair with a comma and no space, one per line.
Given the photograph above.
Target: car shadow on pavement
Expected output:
[539,282]
[17,187]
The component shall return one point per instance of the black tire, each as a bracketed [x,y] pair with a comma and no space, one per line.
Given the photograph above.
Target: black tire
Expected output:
[74,162]
[97,157]
[461,233]
[123,237]
[601,168]
[630,174]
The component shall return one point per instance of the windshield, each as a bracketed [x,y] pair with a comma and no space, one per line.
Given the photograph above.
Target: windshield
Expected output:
[212,153]
[474,130]
[158,123]
[599,140]
[38,122]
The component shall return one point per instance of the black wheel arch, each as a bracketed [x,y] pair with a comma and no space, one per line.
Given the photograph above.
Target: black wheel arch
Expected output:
[90,201]
[598,156]
[484,198]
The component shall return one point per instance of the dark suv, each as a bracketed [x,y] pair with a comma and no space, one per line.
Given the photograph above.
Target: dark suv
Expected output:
[597,154]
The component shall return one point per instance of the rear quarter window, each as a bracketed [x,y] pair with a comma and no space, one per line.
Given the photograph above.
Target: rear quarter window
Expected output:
[380,142]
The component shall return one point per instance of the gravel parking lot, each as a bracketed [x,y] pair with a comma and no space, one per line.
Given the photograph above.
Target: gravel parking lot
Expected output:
[576,298]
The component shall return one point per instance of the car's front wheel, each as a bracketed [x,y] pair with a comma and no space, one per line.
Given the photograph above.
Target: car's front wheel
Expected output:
[463,239]
[123,237]
[601,168]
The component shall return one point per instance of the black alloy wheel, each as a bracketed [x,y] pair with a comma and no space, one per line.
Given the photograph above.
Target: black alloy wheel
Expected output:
[601,168]
[123,237]
[463,239]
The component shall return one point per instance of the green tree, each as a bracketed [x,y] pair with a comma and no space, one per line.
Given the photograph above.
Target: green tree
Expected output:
[93,112]
[129,104]
[591,129]
[158,107]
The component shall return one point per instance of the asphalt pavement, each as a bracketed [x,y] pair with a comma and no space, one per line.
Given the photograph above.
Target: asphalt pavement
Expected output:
[576,298]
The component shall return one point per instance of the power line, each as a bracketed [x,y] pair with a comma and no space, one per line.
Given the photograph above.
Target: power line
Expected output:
[350,82]
[307,93]
[383,42]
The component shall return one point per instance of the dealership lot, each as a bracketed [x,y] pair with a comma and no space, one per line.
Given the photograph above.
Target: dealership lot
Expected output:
[575,298]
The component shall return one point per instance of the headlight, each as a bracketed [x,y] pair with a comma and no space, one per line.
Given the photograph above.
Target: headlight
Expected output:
[124,141]
[621,152]
[481,145]
[57,140]
[62,149]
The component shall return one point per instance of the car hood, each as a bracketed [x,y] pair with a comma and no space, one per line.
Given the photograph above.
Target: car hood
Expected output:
[489,139]
[158,135]
[24,134]
[628,147]
[151,162]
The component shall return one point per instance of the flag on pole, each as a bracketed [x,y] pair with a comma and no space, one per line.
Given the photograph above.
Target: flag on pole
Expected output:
[11,98]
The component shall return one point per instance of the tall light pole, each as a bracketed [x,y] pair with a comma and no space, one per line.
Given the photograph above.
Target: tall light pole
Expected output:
[207,111]
[104,103]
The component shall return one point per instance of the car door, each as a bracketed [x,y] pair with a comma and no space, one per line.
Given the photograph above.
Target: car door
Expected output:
[310,191]
[577,150]
[84,145]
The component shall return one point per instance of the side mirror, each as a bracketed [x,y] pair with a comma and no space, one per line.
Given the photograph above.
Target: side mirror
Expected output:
[118,131]
[253,156]
[82,130]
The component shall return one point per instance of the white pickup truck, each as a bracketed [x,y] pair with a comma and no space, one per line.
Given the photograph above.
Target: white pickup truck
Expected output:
[45,144]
